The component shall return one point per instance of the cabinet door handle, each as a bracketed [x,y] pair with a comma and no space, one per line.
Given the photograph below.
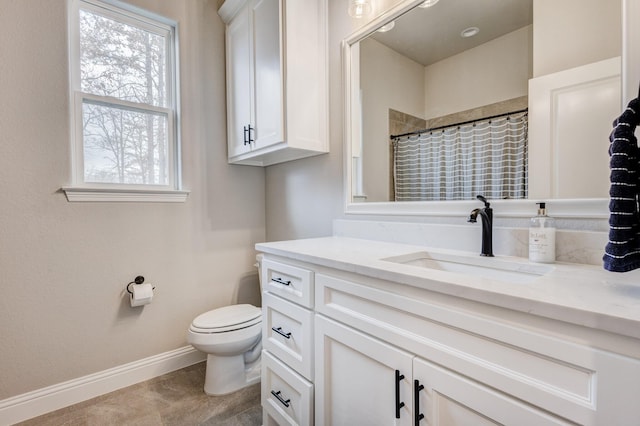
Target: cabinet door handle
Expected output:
[399,404]
[245,131]
[281,399]
[417,387]
[280,281]
[282,333]
[250,129]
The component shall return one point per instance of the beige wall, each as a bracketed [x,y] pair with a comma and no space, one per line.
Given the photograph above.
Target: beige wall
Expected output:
[468,80]
[570,33]
[64,266]
[388,80]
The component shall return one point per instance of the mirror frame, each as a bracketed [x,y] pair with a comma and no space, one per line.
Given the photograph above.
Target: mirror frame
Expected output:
[589,208]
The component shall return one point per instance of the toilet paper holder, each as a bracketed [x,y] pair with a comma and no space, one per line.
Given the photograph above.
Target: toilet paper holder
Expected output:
[137,280]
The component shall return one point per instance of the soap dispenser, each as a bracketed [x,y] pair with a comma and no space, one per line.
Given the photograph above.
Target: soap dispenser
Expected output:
[542,237]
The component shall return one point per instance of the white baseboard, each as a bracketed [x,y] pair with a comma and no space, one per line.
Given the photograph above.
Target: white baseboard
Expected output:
[41,401]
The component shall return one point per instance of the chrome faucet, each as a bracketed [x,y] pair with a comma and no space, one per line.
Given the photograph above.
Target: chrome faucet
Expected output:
[486,214]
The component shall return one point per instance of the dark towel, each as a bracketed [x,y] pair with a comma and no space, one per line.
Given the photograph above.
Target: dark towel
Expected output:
[622,253]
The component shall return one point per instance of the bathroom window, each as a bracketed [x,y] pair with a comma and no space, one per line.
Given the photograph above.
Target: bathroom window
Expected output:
[124,97]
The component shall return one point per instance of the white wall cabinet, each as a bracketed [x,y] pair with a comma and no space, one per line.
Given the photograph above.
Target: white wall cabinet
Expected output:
[277,80]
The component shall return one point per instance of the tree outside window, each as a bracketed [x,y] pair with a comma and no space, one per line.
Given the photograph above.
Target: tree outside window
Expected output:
[125,102]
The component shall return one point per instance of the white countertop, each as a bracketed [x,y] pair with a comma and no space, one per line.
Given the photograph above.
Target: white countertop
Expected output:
[579,294]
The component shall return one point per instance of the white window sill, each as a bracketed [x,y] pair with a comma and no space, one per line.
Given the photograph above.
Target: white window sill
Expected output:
[78,194]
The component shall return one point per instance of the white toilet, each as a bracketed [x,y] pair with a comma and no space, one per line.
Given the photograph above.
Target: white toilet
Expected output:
[231,338]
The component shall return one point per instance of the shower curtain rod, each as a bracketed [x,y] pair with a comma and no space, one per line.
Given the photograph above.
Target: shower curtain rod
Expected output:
[417,132]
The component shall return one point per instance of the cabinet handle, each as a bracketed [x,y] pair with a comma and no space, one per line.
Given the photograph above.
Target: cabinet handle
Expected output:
[245,130]
[399,404]
[250,129]
[417,387]
[282,333]
[280,281]
[281,399]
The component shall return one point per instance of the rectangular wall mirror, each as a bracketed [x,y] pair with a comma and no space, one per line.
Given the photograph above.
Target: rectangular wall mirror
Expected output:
[444,77]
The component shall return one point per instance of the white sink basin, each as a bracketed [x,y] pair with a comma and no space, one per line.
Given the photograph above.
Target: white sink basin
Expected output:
[496,268]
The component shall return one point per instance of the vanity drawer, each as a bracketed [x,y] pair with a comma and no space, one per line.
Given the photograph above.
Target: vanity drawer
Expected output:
[287,332]
[289,282]
[287,398]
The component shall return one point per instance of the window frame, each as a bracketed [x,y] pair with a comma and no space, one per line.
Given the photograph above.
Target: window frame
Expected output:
[79,190]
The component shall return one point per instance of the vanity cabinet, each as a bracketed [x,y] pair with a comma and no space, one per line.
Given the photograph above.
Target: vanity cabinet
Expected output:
[473,360]
[277,81]
[383,352]
[363,380]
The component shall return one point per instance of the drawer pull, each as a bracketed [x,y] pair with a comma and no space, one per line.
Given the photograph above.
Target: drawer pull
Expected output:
[281,281]
[399,404]
[417,387]
[281,399]
[282,333]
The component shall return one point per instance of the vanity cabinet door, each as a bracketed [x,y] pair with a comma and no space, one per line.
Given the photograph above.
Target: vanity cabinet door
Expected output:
[360,380]
[443,397]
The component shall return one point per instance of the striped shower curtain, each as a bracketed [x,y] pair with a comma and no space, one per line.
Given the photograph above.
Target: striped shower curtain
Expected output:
[487,157]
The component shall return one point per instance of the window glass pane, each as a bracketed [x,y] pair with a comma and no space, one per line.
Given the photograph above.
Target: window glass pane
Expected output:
[124,146]
[123,61]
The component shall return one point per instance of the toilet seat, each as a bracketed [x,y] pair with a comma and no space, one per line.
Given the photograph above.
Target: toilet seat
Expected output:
[228,318]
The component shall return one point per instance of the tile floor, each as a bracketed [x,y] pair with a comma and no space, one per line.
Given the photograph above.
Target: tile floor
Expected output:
[176,398]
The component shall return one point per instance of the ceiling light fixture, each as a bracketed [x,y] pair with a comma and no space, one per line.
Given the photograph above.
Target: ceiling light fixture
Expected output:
[387,27]
[469,32]
[359,8]
[428,3]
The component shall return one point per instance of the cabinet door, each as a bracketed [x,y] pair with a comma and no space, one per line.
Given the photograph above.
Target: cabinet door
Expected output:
[268,87]
[239,69]
[450,399]
[360,380]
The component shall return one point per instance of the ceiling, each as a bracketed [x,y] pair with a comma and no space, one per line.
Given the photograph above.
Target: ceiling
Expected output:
[428,35]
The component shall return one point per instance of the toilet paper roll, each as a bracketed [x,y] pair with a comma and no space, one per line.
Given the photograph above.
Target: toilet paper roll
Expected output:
[142,294]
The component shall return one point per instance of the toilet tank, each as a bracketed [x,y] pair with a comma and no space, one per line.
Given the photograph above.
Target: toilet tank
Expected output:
[259,266]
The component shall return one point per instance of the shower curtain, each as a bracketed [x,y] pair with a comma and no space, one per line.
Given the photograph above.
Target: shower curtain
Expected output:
[487,157]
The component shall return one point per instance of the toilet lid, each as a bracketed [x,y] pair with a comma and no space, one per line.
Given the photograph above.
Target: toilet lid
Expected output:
[228,317]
